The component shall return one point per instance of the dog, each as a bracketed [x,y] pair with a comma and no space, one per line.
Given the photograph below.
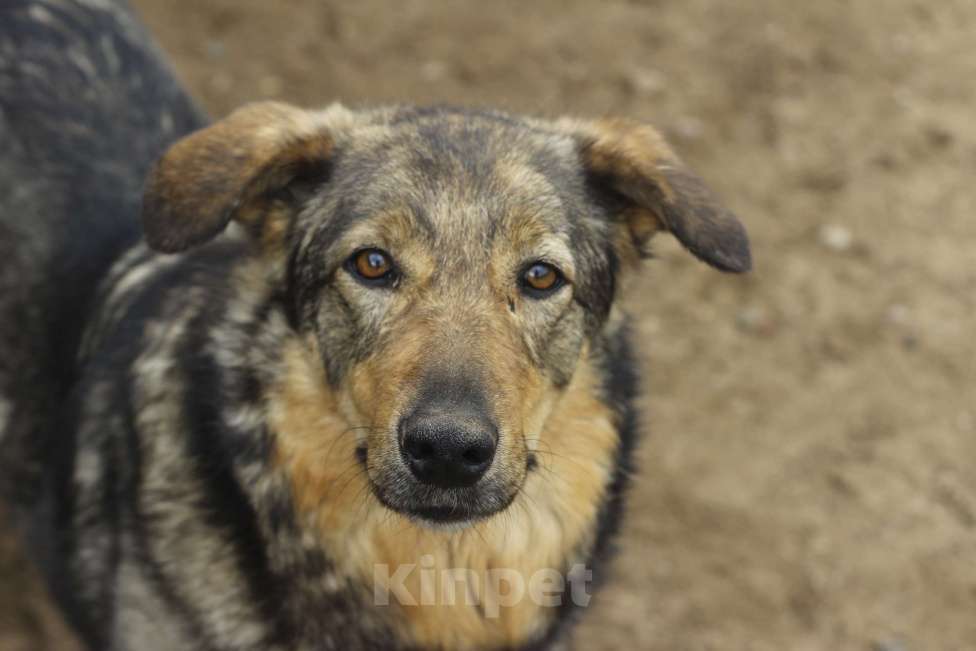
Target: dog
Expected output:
[343,345]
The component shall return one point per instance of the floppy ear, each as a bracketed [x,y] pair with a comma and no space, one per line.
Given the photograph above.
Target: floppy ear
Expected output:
[659,192]
[238,168]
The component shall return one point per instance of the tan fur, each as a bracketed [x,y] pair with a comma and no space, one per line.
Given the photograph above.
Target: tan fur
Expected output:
[427,334]
[462,323]
[551,520]
[633,154]
[630,150]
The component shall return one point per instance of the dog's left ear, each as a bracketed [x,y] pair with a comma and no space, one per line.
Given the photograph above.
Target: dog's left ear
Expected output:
[634,162]
[239,168]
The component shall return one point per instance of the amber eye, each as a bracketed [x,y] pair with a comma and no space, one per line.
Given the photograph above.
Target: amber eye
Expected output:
[372,266]
[540,279]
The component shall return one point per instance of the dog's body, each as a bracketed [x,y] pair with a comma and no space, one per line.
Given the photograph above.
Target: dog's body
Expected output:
[403,353]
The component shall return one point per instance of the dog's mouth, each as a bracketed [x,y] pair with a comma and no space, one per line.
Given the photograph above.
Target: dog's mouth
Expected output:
[458,511]
[452,516]
[441,508]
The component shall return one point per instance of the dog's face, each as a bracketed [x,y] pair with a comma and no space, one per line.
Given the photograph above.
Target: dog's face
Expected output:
[450,268]
[450,279]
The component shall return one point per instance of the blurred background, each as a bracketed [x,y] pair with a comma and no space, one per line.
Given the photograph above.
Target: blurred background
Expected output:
[807,476]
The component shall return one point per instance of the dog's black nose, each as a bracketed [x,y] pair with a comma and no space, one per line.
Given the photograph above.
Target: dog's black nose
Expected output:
[446,450]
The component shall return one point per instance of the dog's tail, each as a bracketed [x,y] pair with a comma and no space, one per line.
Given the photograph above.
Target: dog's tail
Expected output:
[86,105]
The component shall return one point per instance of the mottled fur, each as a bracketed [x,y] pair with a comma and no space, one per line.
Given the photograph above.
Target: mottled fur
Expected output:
[227,472]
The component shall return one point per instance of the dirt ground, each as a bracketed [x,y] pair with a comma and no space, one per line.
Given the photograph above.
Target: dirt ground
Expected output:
[807,475]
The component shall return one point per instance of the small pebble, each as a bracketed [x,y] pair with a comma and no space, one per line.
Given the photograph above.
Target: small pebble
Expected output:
[689,128]
[433,70]
[754,320]
[836,238]
[646,82]
[898,314]
[888,645]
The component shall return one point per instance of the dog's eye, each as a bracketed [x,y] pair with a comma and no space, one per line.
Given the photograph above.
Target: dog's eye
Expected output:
[541,279]
[372,266]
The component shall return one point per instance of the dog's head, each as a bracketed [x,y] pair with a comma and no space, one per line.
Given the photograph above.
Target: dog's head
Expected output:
[450,268]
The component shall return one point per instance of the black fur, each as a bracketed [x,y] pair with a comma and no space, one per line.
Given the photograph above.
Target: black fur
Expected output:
[86,105]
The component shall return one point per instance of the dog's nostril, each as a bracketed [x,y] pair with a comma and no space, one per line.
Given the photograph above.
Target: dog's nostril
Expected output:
[478,454]
[419,448]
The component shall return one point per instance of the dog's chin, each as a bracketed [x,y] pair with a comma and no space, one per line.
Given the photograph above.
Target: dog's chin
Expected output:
[440,519]
[447,510]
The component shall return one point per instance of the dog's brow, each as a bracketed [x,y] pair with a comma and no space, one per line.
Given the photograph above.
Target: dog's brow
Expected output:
[418,213]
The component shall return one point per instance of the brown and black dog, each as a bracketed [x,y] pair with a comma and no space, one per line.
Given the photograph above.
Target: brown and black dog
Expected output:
[401,362]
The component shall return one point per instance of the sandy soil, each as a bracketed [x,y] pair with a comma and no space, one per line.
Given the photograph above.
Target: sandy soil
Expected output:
[807,478]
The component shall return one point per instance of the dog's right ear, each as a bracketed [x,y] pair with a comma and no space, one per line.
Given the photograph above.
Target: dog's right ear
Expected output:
[239,168]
